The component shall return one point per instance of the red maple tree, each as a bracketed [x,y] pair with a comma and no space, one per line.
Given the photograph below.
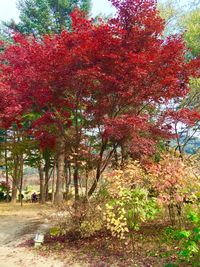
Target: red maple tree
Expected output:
[114,79]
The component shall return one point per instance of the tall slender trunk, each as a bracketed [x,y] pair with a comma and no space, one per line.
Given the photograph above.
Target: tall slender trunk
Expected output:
[47,176]
[15,182]
[76,187]
[98,171]
[14,194]
[53,182]
[6,165]
[42,191]
[86,183]
[68,179]
[60,171]
[124,154]
[21,173]
[116,161]
[77,143]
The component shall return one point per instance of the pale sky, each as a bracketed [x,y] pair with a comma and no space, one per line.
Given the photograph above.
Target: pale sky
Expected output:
[8,9]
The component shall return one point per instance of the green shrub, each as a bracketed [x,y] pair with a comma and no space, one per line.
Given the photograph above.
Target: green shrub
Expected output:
[188,240]
[83,219]
[128,210]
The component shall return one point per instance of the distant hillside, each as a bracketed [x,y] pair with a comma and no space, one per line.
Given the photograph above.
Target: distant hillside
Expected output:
[192,146]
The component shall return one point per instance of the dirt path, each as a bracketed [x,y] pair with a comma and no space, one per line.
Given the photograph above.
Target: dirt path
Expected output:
[19,224]
[13,228]
[16,226]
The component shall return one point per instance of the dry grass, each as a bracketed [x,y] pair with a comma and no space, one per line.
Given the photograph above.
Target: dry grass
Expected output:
[29,209]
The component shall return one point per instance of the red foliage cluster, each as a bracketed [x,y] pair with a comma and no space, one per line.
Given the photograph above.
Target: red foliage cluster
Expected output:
[184,115]
[117,72]
[10,108]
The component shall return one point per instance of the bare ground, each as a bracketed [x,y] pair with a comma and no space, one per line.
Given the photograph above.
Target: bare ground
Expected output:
[18,224]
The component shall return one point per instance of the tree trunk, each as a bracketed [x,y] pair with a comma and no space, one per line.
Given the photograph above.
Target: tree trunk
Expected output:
[14,194]
[116,158]
[47,176]
[21,172]
[98,172]
[68,180]
[86,183]
[15,182]
[60,172]
[6,165]
[53,183]
[124,154]
[42,191]
[76,183]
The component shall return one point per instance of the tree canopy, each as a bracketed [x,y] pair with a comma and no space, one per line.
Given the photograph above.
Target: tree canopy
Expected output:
[39,17]
[115,80]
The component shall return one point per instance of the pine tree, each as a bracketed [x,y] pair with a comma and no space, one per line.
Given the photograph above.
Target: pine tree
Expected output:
[40,17]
